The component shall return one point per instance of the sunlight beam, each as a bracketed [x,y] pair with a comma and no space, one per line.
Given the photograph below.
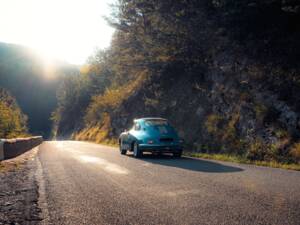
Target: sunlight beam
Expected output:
[63,29]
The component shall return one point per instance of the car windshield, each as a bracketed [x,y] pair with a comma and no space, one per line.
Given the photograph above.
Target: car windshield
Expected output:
[157,123]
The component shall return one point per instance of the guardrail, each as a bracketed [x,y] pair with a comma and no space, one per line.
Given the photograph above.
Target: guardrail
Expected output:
[10,148]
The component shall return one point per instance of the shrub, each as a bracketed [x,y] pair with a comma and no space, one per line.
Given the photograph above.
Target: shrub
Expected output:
[256,150]
[110,100]
[12,120]
[295,152]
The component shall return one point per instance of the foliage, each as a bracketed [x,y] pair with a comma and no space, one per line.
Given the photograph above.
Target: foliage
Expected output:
[226,132]
[73,97]
[242,159]
[12,120]
[295,152]
[257,150]
[110,100]
[100,133]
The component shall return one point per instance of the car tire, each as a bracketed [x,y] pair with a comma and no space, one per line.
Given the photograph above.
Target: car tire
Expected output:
[122,151]
[136,151]
[177,154]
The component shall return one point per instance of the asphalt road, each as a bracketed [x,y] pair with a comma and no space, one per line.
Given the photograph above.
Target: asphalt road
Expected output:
[83,183]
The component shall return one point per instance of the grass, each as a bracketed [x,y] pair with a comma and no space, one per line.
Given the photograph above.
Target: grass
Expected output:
[240,159]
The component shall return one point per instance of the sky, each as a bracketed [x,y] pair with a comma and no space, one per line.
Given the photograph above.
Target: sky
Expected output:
[67,30]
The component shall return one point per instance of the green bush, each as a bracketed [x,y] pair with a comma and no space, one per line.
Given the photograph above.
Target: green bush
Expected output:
[12,120]
[295,152]
[256,150]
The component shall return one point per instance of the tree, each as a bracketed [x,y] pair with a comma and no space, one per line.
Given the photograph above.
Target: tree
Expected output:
[12,120]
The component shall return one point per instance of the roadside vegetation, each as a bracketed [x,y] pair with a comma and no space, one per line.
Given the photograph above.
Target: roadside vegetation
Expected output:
[243,159]
[13,123]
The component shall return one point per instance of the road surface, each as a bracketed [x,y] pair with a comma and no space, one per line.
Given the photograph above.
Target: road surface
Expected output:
[84,183]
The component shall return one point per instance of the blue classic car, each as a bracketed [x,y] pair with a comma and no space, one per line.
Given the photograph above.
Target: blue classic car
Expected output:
[150,135]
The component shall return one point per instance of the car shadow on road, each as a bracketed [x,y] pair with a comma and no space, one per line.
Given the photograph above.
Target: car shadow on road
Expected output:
[188,163]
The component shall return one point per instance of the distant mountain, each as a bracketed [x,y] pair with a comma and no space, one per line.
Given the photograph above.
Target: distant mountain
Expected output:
[33,81]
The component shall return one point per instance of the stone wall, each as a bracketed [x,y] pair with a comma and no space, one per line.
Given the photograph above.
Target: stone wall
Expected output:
[10,148]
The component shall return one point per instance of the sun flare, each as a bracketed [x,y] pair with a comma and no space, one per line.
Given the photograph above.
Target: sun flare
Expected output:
[63,29]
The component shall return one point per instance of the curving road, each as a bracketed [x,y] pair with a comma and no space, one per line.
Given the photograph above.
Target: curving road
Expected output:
[83,183]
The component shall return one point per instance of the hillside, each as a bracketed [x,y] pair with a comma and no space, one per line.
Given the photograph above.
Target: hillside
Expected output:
[224,73]
[33,82]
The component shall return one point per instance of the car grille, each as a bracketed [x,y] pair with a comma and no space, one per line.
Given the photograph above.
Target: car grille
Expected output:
[166,139]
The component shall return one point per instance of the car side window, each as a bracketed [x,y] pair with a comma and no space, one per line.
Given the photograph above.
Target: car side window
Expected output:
[137,126]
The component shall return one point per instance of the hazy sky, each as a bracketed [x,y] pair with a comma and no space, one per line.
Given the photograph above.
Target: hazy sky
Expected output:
[65,29]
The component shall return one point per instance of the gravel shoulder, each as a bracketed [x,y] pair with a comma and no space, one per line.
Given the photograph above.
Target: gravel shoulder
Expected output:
[19,190]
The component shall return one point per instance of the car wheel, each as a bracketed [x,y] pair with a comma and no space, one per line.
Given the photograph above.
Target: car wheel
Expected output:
[122,151]
[177,154]
[136,151]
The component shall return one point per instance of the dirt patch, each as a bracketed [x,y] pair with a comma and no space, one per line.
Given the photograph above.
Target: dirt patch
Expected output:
[19,190]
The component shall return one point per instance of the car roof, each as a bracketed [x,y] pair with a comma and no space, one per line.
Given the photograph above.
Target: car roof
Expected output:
[148,118]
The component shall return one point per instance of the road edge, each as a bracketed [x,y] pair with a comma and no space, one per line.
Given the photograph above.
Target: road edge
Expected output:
[42,199]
